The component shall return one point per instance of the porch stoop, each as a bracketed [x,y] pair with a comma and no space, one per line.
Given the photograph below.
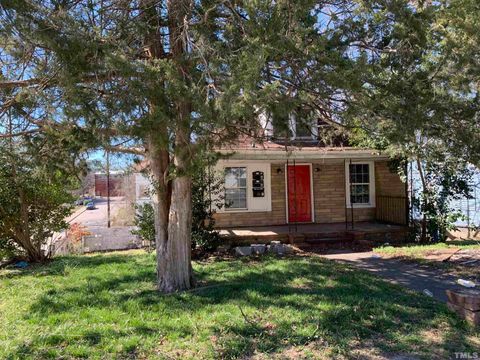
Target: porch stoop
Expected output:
[319,236]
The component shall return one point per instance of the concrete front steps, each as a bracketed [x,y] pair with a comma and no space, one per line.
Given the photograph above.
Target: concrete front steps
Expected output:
[320,242]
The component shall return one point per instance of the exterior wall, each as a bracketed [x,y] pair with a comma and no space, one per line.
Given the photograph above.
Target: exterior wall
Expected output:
[388,182]
[361,214]
[392,204]
[143,188]
[329,195]
[329,190]
[116,182]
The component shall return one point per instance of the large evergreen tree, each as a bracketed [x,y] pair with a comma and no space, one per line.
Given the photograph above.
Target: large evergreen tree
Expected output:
[169,79]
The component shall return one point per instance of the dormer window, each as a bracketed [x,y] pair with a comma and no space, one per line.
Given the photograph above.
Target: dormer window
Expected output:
[306,124]
[281,126]
[298,125]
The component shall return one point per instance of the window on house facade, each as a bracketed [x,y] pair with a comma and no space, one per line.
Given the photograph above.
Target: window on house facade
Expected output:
[282,127]
[299,124]
[360,185]
[305,124]
[235,188]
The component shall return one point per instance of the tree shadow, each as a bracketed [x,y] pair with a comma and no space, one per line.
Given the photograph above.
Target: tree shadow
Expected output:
[330,302]
[59,265]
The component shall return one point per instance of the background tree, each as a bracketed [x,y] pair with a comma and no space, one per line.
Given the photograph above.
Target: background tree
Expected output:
[423,107]
[145,223]
[34,203]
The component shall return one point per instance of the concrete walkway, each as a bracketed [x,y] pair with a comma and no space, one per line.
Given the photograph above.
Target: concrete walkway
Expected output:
[411,275]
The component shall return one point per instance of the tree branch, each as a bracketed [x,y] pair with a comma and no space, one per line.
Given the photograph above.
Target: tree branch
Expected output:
[14,84]
[126,149]
[17,134]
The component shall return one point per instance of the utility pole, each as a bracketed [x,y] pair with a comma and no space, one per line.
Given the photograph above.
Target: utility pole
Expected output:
[108,188]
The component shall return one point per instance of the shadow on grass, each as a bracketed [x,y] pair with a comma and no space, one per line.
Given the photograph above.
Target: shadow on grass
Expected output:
[59,265]
[270,305]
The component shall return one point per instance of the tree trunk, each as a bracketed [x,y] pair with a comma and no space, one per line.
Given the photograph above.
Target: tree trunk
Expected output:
[22,234]
[173,223]
[173,207]
[176,260]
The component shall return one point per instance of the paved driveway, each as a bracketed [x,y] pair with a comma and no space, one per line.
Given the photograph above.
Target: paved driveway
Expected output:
[98,217]
[411,275]
[102,238]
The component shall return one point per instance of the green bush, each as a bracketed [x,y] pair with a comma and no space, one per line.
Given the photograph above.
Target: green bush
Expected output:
[205,188]
[145,223]
[34,203]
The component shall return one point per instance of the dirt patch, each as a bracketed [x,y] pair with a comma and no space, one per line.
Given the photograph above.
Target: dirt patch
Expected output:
[440,255]
[467,257]
[462,263]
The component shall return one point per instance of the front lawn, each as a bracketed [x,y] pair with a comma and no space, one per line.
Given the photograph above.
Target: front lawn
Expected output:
[106,306]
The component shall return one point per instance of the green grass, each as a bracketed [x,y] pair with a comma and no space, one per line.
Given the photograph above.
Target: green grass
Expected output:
[420,250]
[106,307]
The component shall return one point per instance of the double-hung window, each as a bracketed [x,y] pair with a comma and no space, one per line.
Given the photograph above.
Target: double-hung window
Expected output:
[235,188]
[360,185]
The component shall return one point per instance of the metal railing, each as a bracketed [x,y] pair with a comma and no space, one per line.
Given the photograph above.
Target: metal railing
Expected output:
[392,209]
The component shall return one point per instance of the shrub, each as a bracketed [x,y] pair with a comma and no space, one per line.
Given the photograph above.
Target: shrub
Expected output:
[145,223]
[33,207]
[205,189]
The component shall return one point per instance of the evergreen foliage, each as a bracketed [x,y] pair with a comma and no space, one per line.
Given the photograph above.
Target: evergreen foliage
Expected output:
[34,203]
[145,223]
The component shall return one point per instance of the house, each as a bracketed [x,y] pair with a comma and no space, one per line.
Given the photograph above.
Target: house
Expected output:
[310,188]
[138,187]
[143,188]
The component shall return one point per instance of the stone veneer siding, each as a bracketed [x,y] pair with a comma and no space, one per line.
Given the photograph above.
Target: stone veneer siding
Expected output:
[328,196]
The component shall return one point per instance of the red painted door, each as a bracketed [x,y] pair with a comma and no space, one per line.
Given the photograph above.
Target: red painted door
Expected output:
[299,194]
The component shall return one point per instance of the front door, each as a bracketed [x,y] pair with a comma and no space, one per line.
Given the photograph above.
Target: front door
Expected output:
[299,194]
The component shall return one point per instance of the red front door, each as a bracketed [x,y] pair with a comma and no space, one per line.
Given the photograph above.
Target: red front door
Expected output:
[299,194]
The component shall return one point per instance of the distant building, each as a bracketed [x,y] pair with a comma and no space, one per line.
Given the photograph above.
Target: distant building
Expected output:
[116,184]
[143,189]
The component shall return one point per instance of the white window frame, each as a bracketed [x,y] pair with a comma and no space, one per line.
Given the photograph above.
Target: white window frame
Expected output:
[227,188]
[293,129]
[254,204]
[266,123]
[371,185]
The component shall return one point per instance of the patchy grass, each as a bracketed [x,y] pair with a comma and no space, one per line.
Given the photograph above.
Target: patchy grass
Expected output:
[106,306]
[421,250]
[420,253]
